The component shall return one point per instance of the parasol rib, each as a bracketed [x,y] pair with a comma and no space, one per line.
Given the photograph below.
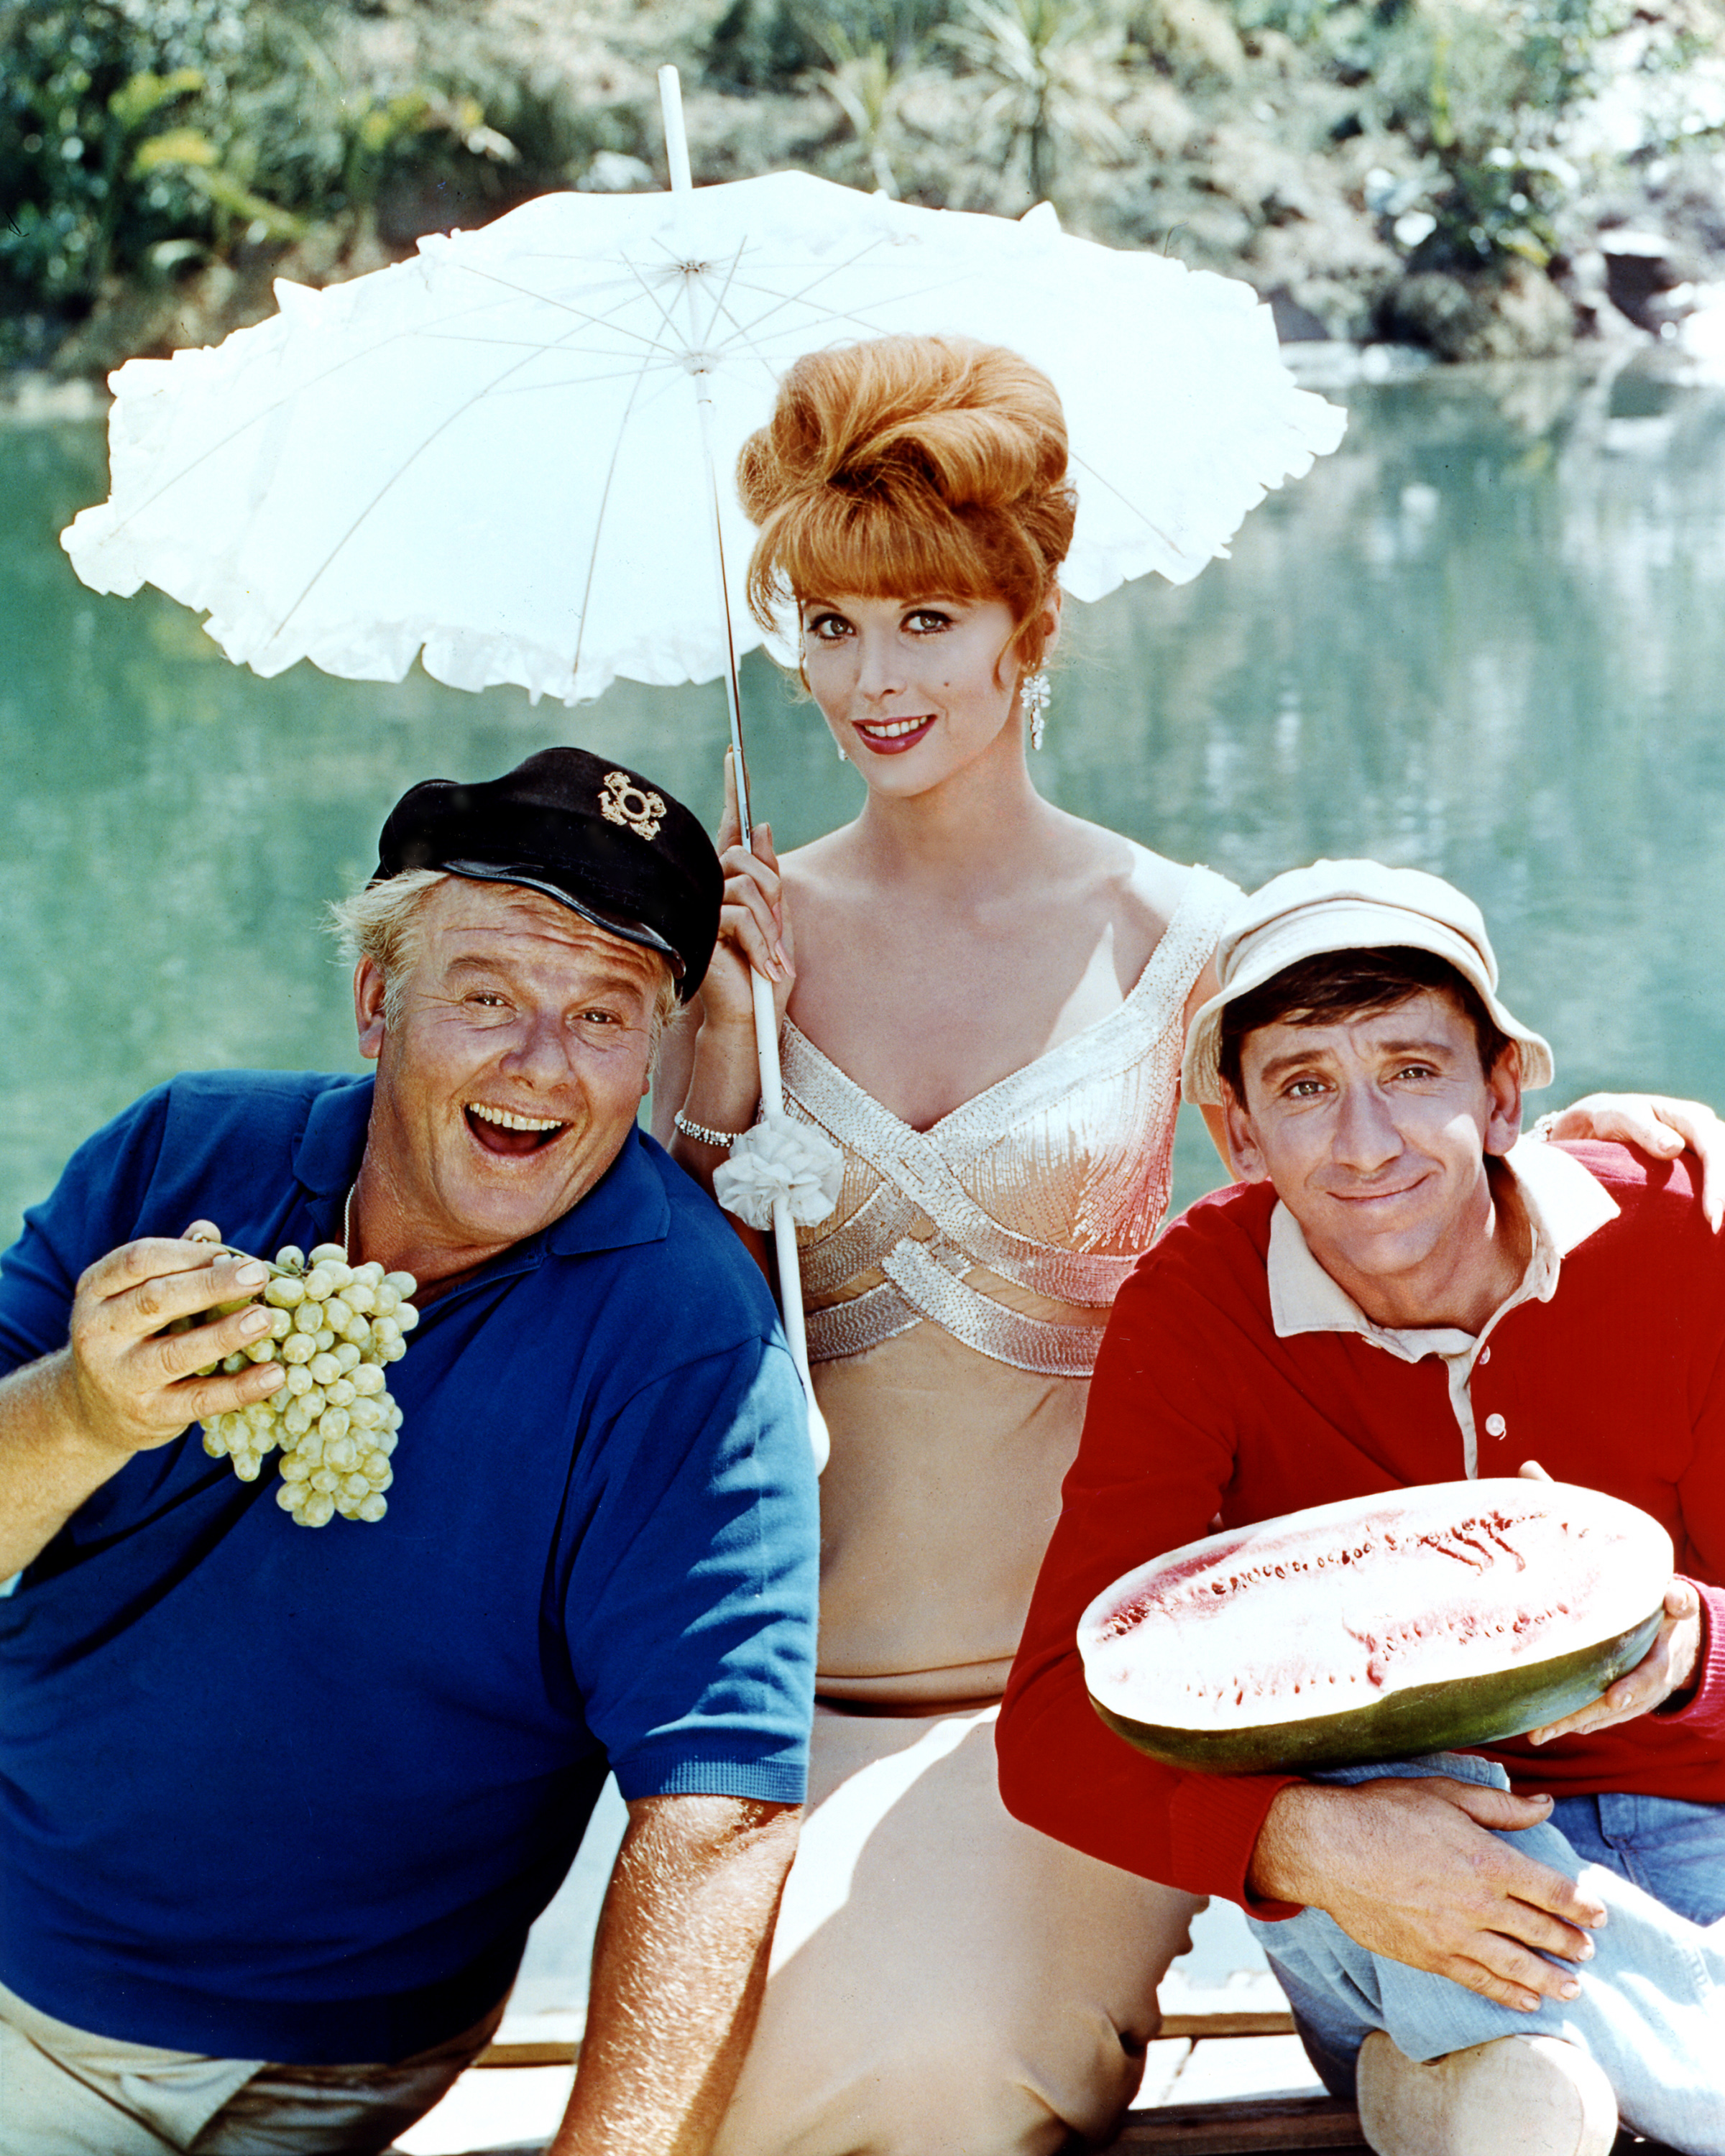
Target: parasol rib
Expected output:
[450,419]
[598,525]
[266,411]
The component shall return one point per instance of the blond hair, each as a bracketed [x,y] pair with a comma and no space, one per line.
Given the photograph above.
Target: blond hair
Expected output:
[382,923]
[911,465]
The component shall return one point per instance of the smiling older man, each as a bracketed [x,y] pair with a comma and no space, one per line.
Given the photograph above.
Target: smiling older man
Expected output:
[1508,1947]
[280,1805]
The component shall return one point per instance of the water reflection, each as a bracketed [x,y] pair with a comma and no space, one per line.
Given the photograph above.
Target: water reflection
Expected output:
[1485,637]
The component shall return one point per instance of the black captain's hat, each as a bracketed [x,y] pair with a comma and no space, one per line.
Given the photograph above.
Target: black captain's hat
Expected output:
[583,830]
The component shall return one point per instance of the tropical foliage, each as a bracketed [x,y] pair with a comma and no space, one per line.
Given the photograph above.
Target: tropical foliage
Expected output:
[1329,148]
[1051,68]
[138,137]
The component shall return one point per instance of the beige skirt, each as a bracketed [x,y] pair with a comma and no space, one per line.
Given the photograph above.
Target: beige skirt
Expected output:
[944,1979]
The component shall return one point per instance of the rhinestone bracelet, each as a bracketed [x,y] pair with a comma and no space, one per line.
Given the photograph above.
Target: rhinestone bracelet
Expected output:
[722,1140]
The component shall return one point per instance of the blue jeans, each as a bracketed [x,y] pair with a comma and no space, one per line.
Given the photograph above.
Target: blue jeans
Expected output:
[1672,1849]
[1651,2007]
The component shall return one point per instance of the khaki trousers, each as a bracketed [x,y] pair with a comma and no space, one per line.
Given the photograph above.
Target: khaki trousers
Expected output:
[64,2092]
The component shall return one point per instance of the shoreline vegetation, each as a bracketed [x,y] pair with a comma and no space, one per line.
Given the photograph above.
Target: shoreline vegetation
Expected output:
[1476,179]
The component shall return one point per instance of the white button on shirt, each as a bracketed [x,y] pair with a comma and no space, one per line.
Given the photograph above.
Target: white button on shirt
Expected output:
[1495,1426]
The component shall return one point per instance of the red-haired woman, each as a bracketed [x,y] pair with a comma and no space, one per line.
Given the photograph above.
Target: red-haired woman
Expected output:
[986,1015]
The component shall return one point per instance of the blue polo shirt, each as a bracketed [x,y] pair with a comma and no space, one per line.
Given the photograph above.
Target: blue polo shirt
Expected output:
[275,1792]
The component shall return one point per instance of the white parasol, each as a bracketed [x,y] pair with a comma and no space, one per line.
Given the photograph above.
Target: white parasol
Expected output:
[511,456]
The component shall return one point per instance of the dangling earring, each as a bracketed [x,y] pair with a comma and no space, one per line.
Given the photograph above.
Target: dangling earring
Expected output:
[1033,695]
[839,746]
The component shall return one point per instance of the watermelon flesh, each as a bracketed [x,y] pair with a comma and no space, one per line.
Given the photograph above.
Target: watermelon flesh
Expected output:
[1427,1620]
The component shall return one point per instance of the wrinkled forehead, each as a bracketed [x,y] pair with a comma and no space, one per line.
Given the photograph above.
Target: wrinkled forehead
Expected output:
[468,924]
[1425,1017]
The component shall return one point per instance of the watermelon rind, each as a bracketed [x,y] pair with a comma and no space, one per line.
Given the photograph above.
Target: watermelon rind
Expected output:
[1551,1618]
[1437,1718]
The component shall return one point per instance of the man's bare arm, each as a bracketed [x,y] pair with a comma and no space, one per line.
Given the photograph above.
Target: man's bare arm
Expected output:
[678,1969]
[70,1422]
[1408,1869]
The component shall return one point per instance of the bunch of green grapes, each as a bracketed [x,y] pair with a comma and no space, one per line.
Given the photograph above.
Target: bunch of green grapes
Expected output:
[332,1328]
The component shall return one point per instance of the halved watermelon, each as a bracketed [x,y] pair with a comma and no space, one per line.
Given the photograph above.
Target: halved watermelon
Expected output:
[1414,1620]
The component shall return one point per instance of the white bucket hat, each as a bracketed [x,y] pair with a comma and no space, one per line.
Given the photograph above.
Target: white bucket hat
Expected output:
[1349,906]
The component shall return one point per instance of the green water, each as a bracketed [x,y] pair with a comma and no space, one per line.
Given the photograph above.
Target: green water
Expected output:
[1486,638]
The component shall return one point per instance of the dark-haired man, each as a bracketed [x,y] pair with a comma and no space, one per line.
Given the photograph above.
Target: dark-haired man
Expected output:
[1403,1293]
[279,1803]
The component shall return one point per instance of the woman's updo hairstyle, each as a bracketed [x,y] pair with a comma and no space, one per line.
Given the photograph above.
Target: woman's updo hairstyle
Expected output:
[911,465]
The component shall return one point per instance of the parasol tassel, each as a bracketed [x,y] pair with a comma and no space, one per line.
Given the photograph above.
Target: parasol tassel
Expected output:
[779,1159]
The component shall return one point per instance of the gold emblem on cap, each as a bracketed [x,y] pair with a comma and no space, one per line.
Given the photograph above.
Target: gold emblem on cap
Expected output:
[623,802]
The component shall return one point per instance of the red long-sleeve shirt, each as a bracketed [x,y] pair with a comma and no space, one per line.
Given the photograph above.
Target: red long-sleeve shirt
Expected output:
[1616,1382]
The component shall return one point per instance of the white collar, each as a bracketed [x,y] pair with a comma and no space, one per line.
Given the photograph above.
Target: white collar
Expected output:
[1565,1204]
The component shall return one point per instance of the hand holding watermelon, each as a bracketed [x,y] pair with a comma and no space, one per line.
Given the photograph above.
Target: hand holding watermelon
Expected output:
[1668,1667]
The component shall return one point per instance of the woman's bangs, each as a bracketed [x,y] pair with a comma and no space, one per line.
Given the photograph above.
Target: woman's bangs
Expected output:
[873,549]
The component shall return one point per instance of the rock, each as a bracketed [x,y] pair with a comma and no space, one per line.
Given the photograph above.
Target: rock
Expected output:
[1512,313]
[1581,277]
[1294,324]
[1643,279]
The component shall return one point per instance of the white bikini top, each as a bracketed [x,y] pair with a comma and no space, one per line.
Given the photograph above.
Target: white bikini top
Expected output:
[1055,1179]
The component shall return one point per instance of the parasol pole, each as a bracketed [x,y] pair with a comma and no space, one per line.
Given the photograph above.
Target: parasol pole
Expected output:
[784,1231]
